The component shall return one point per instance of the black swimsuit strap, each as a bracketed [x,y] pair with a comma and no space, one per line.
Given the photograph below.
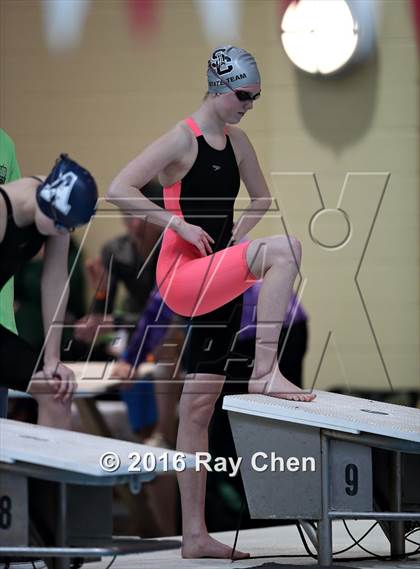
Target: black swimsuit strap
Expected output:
[36,178]
[8,204]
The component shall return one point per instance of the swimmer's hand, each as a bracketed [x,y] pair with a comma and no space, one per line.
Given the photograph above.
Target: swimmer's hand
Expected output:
[55,378]
[195,235]
[63,379]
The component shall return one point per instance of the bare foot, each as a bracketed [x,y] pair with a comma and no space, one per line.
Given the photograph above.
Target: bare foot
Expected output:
[206,546]
[276,385]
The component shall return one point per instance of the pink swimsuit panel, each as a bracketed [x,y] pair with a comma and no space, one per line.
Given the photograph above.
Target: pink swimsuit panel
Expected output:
[190,284]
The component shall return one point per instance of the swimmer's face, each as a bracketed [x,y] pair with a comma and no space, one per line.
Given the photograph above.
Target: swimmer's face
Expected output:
[46,226]
[231,109]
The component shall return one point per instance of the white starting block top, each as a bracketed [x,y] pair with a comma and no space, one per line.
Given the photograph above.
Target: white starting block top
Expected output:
[94,378]
[334,411]
[76,452]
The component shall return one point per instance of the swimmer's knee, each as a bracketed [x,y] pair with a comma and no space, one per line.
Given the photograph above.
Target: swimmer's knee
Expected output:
[56,409]
[197,408]
[46,399]
[274,250]
[286,249]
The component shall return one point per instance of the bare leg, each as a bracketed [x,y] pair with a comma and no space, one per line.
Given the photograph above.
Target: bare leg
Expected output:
[277,260]
[196,409]
[51,412]
[162,492]
[168,383]
[167,399]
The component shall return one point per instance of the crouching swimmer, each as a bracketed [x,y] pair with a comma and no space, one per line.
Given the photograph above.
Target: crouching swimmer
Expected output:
[36,212]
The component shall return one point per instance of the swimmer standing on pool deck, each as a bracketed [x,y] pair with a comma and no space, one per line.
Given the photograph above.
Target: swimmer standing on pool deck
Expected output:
[200,163]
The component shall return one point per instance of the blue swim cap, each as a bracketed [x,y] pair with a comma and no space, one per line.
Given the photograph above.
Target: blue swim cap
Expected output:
[69,194]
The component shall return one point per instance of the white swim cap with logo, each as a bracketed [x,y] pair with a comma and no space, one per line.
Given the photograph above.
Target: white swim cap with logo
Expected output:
[234,65]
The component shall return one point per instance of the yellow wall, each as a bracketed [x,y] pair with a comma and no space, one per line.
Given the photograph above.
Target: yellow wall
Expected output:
[106,100]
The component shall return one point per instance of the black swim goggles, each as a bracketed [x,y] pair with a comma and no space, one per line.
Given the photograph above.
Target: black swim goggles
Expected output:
[241,95]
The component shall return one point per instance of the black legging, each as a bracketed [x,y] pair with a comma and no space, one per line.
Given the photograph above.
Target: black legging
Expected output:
[18,361]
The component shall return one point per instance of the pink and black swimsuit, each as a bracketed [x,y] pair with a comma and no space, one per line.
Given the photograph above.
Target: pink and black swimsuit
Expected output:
[206,289]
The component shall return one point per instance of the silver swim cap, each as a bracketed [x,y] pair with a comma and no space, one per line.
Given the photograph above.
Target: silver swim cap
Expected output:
[231,64]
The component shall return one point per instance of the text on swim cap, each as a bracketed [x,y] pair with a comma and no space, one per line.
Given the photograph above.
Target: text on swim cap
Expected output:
[228,80]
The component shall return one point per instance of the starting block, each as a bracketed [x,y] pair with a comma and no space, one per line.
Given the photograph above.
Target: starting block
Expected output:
[336,457]
[56,492]
[94,378]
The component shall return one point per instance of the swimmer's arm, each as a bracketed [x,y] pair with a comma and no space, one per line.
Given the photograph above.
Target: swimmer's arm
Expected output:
[124,190]
[255,184]
[54,293]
